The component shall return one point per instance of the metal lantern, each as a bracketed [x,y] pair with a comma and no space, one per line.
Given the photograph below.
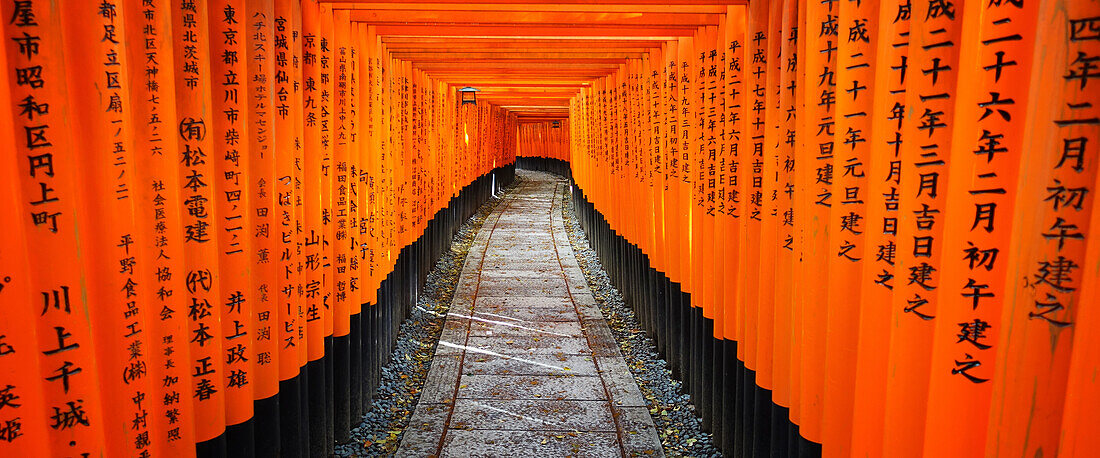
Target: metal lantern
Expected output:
[468,95]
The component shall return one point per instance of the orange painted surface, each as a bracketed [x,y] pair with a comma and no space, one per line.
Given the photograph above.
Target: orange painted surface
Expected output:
[729,228]
[752,178]
[543,139]
[18,364]
[346,188]
[1080,432]
[263,203]
[887,205]
[315,156]
[880,246]
[773,179]
[848,222]
[193,128]
[47,169]
[785,141]
[1047,260]
[983,186]
[108,237]
[286,220]
[157,193]
[926,157]
[231,165]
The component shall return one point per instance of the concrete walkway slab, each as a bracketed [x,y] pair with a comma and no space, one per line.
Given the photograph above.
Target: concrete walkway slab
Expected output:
[526,365]
[482,443]
[530,365]
[504,328]
[533,415]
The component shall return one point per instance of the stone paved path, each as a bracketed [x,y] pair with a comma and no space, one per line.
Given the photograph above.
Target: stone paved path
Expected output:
[526,365]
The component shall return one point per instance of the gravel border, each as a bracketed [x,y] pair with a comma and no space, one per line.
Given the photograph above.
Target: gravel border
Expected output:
[380,430]
[673,413]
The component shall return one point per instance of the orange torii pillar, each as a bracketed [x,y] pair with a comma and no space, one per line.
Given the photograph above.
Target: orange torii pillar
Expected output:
[230,157]
[259,60]
[345,237]
[23,425]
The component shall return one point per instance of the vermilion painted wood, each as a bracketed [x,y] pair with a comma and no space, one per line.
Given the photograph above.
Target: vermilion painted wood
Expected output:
[814,322]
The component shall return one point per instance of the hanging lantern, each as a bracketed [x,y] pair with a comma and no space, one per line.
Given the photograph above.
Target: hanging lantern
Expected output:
[468,95]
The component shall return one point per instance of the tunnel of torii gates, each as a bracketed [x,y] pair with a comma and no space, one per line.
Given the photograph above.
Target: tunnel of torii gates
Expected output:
[852,227]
